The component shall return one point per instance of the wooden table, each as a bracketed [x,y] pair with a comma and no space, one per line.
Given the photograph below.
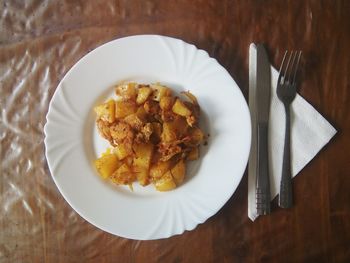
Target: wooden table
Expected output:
[39,42]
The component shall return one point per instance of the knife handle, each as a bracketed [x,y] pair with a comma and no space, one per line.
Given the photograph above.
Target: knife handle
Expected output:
[262,179]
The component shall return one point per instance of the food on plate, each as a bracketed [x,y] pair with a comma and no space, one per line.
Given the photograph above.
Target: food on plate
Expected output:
[152,134]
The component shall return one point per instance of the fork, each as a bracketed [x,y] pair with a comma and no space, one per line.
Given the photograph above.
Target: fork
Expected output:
[286,92]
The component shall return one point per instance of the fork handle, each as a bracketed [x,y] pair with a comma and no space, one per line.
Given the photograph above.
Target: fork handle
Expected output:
[262,179]
[286,191]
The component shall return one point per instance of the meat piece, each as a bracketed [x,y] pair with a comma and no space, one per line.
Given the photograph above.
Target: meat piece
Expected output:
[193,118]
[120,131]
[147,131]
[168,150]
[139,138]
[115,133]
[144,135]
[104,129]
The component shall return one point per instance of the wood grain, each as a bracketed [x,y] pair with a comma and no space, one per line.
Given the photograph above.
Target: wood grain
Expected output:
[41,40]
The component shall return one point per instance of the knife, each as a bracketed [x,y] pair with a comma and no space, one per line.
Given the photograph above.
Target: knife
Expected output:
[263,86]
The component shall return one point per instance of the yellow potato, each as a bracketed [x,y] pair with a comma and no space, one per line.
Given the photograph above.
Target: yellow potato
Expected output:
[178,172]
[193,154]
[174,130]
[123,175]
[180,126]
[180,108]
[143,155]
[106,111]
[160,91]
[196,135]
[127,91]
[169,132]
[106,165]
[166,102]
[165,183]
[158,169]
[142,175]
[124,108]
[143,94]
[141,113]
[101,110]
[121,151]
[107,152]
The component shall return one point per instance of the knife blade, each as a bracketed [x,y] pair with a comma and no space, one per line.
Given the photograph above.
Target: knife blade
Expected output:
[263,86]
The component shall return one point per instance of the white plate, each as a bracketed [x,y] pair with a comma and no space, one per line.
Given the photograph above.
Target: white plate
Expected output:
[72,142]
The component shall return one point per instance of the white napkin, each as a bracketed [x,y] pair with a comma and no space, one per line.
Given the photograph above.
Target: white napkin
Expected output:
[309,133]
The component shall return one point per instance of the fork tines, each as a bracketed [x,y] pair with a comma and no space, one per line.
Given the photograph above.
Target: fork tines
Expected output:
[286,71]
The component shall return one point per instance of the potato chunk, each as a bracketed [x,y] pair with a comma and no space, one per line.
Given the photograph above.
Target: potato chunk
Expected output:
[106,111]
[193,154]
[196,135]
[143,155]
[106,165]
[159,92]
[180,108]
[142,175]
[180,126]
[122,151]
[169,132]
[158,169]
[166,102]
[178,172]
[123,175]
[141,162]
[143,95]
[124,108]
[165,183]
[127,91]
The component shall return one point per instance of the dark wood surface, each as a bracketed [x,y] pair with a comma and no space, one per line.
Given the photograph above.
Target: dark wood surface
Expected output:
[41,40]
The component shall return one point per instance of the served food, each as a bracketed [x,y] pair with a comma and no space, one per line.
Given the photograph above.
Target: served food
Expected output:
[152,135]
